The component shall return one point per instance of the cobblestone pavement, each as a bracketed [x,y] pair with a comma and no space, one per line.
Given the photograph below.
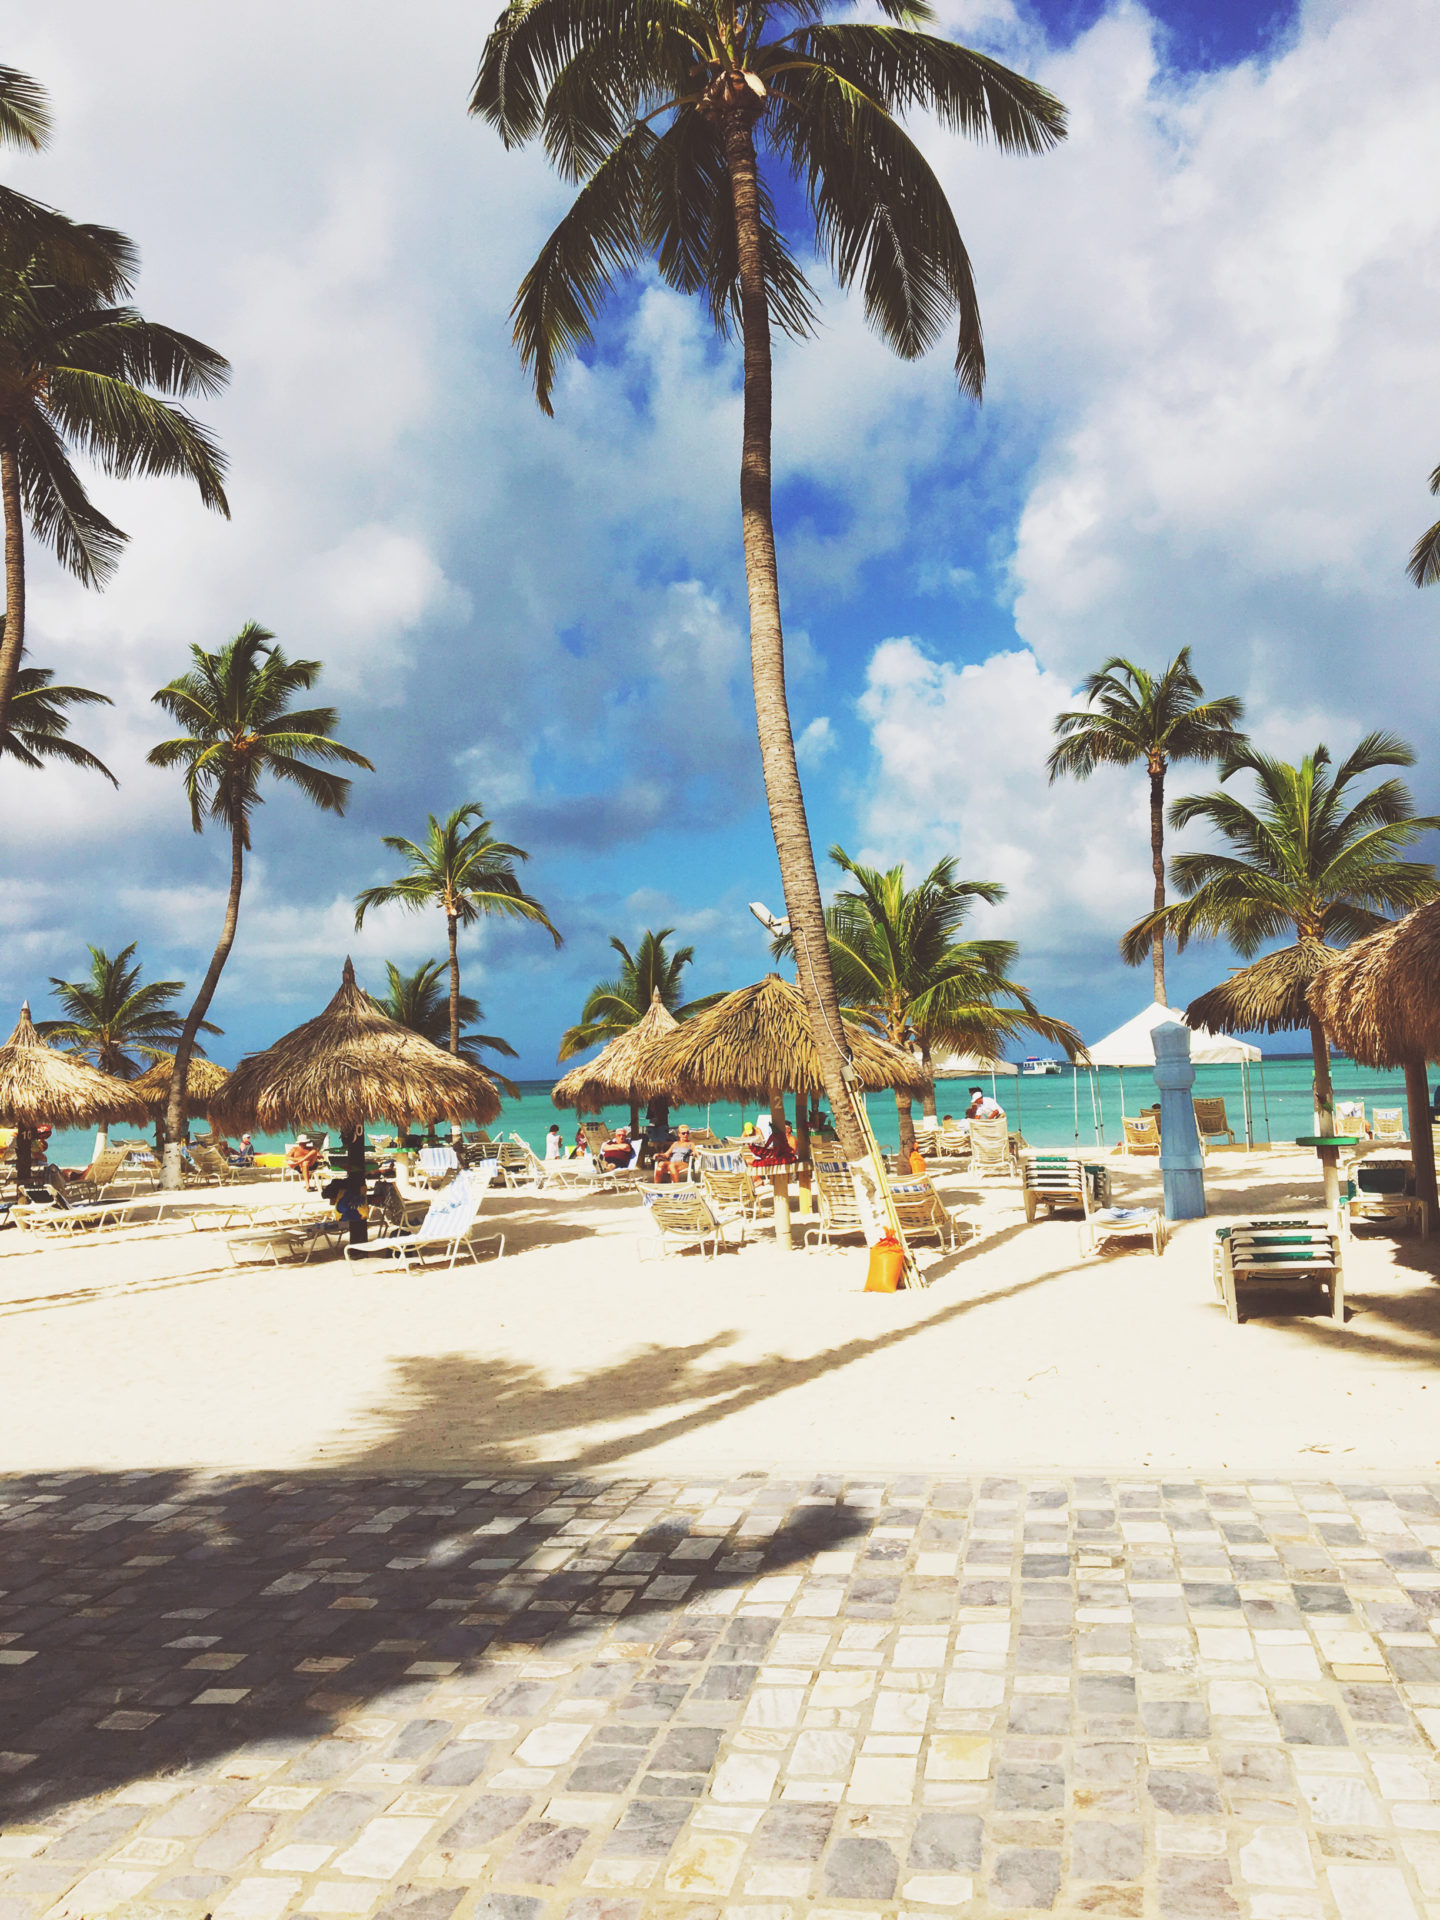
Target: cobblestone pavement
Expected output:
[745,1699]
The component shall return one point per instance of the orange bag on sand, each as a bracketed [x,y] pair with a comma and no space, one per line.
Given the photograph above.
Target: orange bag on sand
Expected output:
[917,1161]
[887,1265]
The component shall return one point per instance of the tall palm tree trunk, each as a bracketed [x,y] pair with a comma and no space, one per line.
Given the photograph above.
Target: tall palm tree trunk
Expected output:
[927,1101]
[452,922]
[1325,1108]
[1157,866]
[171,1177]
[767,642]
[12,645]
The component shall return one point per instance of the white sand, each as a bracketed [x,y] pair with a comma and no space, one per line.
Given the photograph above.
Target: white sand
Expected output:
[1019,1354]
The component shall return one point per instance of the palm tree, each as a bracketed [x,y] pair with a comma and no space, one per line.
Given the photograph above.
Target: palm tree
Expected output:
[612,1007]
[112,1021]
[416,1000]
[663,114]
[38,722]
[902,970]
[1157,721]
[466,872]
[82,371]
[1423,566]
[32,233]
[1309,859]
[239,726]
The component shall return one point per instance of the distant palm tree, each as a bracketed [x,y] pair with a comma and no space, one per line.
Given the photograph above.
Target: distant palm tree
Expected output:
[239,726]
[1310,859]
[38,722]
[612,1007]
[113,1021]
[462,869]
[1424,564]
[418,1001]
[1155,721]
[82,371]
[679,122]
[902,970]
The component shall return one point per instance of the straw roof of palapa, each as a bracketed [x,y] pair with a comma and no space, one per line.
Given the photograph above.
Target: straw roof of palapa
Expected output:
[202,1083]
[347,1067]
[758,1041]
[607,1079]
[1379,1001]
[38,1083]
[1269,996]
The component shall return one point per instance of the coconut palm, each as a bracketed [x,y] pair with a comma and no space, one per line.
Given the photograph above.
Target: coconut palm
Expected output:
[417,1001]
[32,233]
[902,970]
[113,1020]
[82,371]
[612,1007]
[1311,858]
[38,723]
[239,726]
[673,119]
[1424,563]
[466,872]
[1157,721]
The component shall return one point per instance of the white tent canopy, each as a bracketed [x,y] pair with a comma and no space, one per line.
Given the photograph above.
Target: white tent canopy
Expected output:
[1131,1046]
[954,1066]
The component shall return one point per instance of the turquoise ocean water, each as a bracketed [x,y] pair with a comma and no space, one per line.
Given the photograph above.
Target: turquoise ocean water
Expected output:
[1053,1111]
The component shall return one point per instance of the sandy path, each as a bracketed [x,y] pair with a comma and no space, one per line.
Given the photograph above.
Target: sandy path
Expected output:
[572,1350]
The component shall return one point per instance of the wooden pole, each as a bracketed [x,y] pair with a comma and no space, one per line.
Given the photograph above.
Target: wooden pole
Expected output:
[1422,1141]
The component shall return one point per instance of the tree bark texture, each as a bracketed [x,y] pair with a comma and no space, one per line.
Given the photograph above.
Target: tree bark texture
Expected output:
[13,643]
[1157,866]
[1325,1110]
[767,645]
[453,924]
[1422,1140]
[927,1103]
[355,1183]
[171,1177]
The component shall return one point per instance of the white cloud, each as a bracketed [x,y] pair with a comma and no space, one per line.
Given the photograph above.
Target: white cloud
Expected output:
[815,743]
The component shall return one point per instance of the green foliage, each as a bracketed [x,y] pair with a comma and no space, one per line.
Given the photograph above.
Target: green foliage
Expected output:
[234,705]
[612,1007]
[421,1002]
[82,372]
[38,722]
[1424,563]
[1133,718]
[462,869]
[24,111]
[902,969]
[112,1020]
[628,101]
[1308,857]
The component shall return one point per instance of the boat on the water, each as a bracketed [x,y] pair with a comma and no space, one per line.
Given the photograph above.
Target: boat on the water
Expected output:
[1034,1064]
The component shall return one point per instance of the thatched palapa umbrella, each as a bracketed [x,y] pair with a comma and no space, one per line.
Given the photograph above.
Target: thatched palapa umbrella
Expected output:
[609,1079]
[202,1084]
[39,1084]
[756,1045]
[1380,1003]
[348,1066]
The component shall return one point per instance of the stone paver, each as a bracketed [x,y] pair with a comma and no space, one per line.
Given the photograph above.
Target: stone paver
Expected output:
[727,1699]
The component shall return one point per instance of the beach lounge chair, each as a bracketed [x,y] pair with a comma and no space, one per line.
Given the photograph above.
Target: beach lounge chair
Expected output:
[1388,1123]
[285,1236]
[213,1167]
[98,1178]
[922,1213]
[1052,1180]
[447,1228]
[517,1164]
[991,1154]
[1142,1135]
[1382,1187]
[687,1215]
[58,1219]
[1105,1222]
[729,1185]
[580,1175]
[839,1209]
[437,1164]
[596,1134]
[1211,1123]
[1271,1254]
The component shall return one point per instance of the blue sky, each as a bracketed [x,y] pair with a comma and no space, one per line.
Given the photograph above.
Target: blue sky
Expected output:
[1210,418]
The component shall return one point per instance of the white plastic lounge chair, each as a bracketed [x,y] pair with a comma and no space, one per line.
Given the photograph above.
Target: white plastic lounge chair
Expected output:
[446,1228]
[839,1210]
[580,1175]
[287,1237]
[1114,1223]
[921,1212]
[1271,1254]
[729,1184]
[991,1155]
[59,1220]
[685,1214]
[438,1163]
[1388,1123]
[1052,1180]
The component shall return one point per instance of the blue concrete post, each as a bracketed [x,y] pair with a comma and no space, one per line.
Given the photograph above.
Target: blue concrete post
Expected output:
[1181,1164]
